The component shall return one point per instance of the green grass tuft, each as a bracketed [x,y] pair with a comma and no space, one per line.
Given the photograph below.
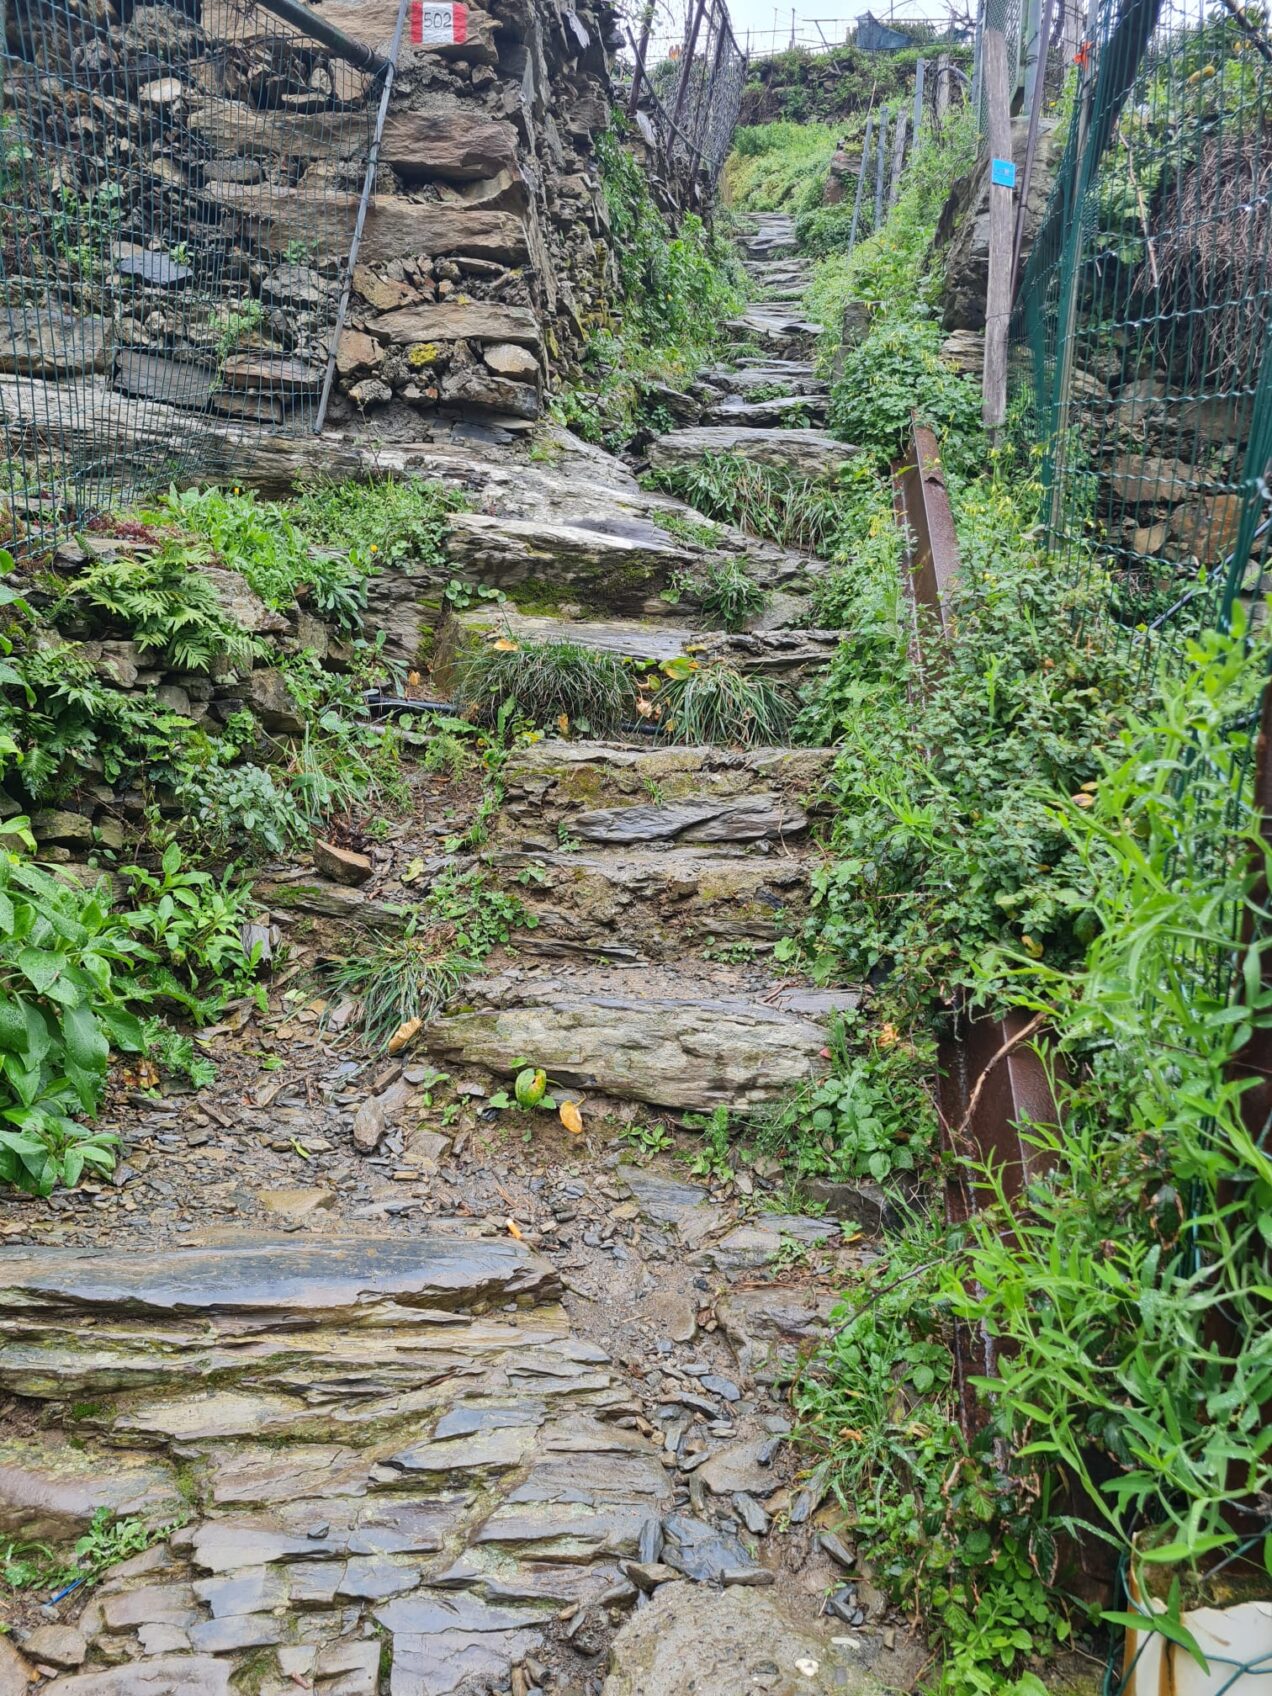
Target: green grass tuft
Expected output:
[717,705]
[594,691]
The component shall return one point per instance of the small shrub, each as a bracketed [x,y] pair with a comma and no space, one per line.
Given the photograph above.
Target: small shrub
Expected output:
[549,681]
[259,539]
[164,605]
[192,924]
[66,964]
[898,371]
[730,596]
[380,523]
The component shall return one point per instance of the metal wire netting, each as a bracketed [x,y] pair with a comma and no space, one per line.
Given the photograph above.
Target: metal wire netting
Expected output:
[180,188]
[1140,347]
[1144,313]
[687,106]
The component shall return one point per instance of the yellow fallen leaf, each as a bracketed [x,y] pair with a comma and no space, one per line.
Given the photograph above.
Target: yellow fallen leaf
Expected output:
[571,1118]
[514,1230]
[403,1034]
[644,707]
[504,646]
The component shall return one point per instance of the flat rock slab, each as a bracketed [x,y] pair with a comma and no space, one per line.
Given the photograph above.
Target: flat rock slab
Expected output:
[806,453]
[275,1276]
[771,1328]
[554,780]
[50,1487]
[693,1641]
[796,376]
[164,1675]
[784,410]
[623,566]
[788,654]
[650,903]
[689,1054]
[758,1241]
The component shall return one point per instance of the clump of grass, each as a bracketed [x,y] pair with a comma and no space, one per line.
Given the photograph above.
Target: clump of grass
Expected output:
[446,752]
[548,681]
[730,596]
[402,979]
[793,511]
[719,705]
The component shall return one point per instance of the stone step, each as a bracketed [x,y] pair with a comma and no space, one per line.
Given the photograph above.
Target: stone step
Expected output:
[771,235]
[610,564]
[647,903]
[647,1033]
[796,376]
[791,655]
[358,1460]
[779,328]
[785,411]
[768,271]
[607,795]
[806,453]
[605,561]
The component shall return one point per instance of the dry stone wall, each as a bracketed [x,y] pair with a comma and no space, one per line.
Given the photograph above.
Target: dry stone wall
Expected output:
[486,255]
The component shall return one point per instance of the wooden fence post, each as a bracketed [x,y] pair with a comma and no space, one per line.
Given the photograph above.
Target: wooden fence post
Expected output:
[920,72]
[898,158]
[883,142]
[861,181]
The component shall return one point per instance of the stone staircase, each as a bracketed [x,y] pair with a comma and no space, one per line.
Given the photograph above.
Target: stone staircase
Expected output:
[371,1445]
[401,1463]
[664,874]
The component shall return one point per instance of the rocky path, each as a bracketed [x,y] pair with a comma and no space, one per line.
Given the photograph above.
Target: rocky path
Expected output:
[442,1401]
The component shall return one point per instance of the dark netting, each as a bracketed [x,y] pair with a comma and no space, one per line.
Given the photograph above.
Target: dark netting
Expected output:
[708,95]
[687,106]
[181,185]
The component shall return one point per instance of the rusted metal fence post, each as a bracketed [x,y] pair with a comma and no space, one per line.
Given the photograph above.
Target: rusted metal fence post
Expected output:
[990,1078]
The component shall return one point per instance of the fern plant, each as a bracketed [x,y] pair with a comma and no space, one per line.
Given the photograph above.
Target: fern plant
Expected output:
[165,606]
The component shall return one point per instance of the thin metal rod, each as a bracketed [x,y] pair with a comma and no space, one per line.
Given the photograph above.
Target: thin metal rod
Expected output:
[639,72]
[368,183]
[343,46]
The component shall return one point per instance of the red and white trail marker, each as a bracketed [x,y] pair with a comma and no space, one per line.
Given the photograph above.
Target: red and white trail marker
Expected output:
[437,25]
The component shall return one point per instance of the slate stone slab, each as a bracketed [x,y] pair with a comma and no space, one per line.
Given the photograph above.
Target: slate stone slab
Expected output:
[267,1275]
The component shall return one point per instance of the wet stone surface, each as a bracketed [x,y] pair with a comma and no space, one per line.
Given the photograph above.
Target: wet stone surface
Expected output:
[439,1401]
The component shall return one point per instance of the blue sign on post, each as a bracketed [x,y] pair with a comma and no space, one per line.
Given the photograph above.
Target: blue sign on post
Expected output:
[1002,173]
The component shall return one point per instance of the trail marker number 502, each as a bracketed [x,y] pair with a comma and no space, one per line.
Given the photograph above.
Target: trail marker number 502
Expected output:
[435,25]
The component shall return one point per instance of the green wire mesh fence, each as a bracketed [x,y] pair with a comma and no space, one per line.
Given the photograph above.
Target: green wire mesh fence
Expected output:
[1144,310]
[180,187]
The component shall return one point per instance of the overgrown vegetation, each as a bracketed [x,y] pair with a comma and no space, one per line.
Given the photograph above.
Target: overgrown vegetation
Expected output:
[675,289]
[402,982]
[90,966]
[1040,823]
[558,684]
